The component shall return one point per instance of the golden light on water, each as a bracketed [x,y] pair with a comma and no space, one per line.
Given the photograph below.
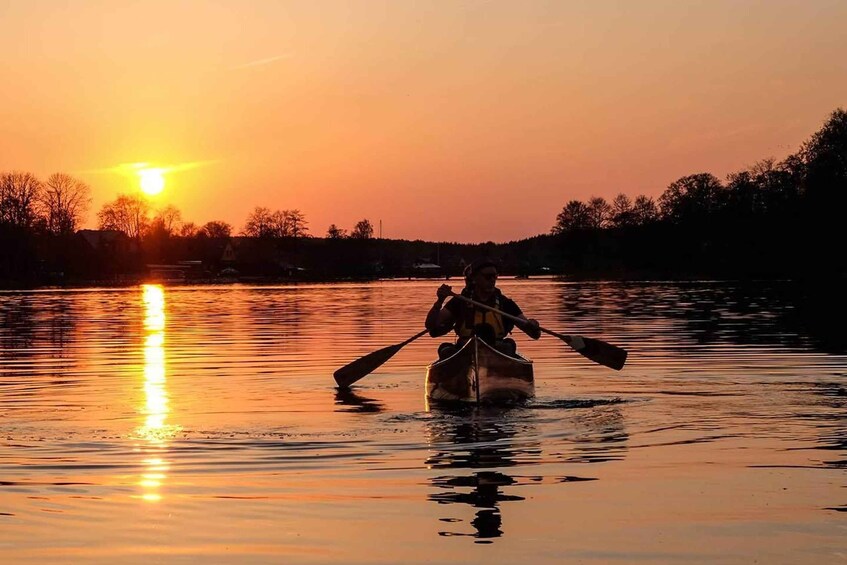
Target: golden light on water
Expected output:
[155,394]
[155,431]
[152,180]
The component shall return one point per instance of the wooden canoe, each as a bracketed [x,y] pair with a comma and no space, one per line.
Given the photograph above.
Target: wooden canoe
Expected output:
[481,374]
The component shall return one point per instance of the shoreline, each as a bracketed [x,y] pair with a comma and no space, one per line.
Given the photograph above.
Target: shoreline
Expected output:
[129,282]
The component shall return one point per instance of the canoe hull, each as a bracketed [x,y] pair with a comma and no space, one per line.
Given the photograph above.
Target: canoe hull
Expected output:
[479,373]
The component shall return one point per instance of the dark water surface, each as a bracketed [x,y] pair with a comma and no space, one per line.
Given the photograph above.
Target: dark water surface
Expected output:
[180,424]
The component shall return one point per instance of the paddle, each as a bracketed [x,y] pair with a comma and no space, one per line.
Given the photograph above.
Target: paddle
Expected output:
[355,370]
[598,351]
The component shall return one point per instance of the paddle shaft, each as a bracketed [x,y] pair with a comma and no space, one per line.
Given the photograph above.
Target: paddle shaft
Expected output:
[596,350]
[517,320]
[413,338]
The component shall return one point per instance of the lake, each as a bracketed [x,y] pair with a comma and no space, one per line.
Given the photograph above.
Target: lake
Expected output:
[181,424]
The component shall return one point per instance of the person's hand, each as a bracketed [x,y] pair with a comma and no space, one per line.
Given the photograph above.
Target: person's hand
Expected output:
[443,292]
[532,329]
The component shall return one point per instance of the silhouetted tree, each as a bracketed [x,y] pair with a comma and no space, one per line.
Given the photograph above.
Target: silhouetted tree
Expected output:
[167,221]
[334,232]
[825,160]
[127,213]
[363,230]
[260,223]
[574,216]
[691,198]
[189,229]
[644,210]
[20,195]
[778,184]
[216,229]
[64,202]
[281,223]
[763,188]
[621,214]
[294,224]
[599,212]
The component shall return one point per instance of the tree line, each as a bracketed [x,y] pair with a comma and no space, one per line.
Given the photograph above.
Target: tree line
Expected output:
[58,207]
[772,219]
[134,216]
[41,240]
[812,177]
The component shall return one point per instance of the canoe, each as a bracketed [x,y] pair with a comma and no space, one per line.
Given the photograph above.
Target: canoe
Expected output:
[479,373]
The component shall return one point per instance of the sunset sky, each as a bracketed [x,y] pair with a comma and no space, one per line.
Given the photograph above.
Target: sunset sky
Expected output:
[468,121]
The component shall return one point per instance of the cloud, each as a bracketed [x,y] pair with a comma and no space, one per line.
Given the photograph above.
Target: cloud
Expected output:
[266,61]
[132,168]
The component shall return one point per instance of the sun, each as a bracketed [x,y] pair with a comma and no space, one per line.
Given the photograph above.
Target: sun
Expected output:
[152,181]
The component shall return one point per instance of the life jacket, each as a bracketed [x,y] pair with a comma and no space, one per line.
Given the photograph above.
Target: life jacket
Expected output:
[473,316]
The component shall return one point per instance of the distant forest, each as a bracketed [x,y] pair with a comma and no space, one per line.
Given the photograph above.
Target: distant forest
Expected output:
[773,220]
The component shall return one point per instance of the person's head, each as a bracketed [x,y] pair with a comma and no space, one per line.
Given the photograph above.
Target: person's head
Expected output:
[481,275]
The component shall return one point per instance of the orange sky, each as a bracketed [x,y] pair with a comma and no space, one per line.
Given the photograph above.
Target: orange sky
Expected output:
[466,121]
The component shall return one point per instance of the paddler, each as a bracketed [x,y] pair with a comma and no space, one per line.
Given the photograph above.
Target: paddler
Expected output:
[468,320]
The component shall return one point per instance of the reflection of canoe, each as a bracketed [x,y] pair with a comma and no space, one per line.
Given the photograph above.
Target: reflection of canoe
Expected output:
[480,373]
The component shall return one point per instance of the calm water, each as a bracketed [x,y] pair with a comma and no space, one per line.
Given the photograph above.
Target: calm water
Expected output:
[174,424]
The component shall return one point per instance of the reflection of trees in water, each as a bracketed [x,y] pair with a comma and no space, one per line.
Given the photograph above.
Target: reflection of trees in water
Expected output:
[103,316]
[62,323]
[490,440]
[18,330]
[35,326]
[767,313]
[366,300]
[763,314]
[818,313]
[276,317]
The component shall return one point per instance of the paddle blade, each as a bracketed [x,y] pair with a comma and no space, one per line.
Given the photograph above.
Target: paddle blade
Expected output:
[352,372]
[598,351]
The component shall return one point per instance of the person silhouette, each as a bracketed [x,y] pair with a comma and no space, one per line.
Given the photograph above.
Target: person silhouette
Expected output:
[468,320]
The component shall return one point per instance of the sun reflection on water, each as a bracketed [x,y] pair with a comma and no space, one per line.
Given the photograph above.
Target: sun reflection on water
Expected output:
[155,432]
